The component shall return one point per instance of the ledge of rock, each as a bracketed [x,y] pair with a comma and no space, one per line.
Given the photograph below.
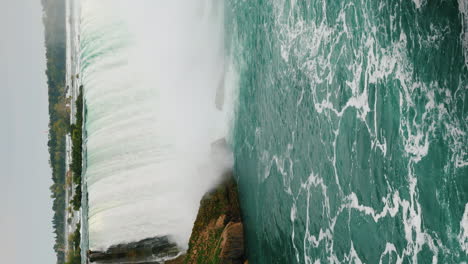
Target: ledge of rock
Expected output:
[218,233]
[232,242]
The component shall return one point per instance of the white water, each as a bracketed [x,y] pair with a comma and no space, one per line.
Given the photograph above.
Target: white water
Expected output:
[151,71]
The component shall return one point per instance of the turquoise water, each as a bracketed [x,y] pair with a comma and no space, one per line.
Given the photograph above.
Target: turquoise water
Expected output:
[350,136]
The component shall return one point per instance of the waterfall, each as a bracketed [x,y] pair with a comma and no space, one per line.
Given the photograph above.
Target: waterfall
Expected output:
[153,72]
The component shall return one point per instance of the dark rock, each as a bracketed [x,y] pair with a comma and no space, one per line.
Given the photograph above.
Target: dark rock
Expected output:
[232,245]
[151,250]
[218,234]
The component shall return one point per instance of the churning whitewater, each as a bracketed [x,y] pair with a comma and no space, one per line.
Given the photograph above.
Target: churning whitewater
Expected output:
[153,77]
[351,139]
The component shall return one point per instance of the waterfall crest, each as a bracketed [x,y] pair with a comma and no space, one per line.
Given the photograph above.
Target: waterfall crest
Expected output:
[152,74]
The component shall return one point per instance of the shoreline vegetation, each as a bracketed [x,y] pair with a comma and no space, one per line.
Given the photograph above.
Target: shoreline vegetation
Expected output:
[67,234]
[74,253]
[76,130]
[59,115]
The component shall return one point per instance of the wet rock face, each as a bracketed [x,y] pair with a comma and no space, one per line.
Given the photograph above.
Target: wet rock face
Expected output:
[232,245]
[218,233]
[151,250]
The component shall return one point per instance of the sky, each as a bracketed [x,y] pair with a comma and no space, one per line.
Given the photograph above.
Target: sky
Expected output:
[25,175]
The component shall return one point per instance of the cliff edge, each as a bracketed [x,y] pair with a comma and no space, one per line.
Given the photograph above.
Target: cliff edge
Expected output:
[218,233]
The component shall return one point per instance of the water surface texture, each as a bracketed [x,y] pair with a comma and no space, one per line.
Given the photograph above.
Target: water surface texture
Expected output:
[350,137]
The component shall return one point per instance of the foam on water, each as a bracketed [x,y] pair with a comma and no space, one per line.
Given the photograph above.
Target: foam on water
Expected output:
[354,73]
[463,236]
[463,7]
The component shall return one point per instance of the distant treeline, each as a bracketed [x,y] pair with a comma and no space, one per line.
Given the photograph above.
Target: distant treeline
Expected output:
[54,24]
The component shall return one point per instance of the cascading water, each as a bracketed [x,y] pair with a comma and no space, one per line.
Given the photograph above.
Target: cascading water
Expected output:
[152,74]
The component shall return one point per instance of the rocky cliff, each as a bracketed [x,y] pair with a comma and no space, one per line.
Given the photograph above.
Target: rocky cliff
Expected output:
[218,233]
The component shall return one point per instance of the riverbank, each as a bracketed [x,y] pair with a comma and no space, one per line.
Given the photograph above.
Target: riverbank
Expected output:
[74,95]
[73,187]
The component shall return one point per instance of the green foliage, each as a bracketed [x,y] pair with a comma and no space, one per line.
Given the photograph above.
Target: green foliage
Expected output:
[77,150]
[76,238]
[74,253]
[73,258]
[76,201]
[205,241]
[54,23]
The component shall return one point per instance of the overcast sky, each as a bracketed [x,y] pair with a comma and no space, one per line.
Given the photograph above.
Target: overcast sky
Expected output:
[25,205]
